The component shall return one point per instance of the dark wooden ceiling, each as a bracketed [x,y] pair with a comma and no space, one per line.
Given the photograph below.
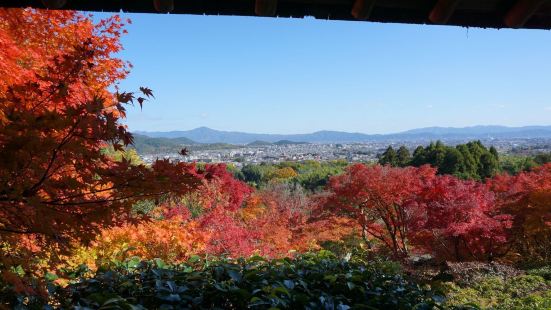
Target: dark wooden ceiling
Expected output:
[534,14]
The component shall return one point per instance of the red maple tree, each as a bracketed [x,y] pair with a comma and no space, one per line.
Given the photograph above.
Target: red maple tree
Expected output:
[462,221]
[383,201]
[527,197]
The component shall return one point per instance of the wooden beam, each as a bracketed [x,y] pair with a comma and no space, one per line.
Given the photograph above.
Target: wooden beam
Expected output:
[442,11]
[521,12]
[54,4]
[361,10]
[163,6]
[265,7]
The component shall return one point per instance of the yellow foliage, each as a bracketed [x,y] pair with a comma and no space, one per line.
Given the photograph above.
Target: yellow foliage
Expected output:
[283,174]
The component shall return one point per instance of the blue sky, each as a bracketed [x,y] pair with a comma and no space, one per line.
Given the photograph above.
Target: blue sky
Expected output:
[301,75]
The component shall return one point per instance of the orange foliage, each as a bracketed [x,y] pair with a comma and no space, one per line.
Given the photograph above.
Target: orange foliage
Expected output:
[272,225]
[57,115]
[230,221]
[30,40]
[172,240]
[281,220]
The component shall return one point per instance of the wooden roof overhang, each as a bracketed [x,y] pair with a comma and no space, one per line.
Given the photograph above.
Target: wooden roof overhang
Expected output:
[533,14]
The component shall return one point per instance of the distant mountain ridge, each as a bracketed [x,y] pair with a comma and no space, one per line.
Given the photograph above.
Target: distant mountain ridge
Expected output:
[208,135]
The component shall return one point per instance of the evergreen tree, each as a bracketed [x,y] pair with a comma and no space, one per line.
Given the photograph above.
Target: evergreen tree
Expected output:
[493,151]
[404,157]
[488,166]
[252,174]
[418,157]
[389,157]
[467,161]
[470,166]
[453,163]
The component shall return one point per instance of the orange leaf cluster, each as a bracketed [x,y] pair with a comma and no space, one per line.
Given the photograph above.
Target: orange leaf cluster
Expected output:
[57,115]
[172,240]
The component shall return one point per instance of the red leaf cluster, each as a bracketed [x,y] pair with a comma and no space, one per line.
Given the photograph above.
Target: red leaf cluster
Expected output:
[413,207]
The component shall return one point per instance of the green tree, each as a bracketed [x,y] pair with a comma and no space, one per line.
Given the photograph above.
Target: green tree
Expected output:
[252,174]
[543,158]
[515,164]
[488,166]
[453,163]
[493,151]
[467,161]
[418,158]
[404,157]
[435,154]
[389,157]
[470,166]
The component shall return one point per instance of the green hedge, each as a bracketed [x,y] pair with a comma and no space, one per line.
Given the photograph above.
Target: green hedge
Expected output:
[310,281]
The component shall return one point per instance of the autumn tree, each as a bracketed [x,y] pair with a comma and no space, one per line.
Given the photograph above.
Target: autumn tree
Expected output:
[30,40]
[382,200]
[527,197]
[239,222]
[278,214]
[462,221]
[215,205]
[228,192]
[225,196]
[172,240]
[58,115]
[282,174]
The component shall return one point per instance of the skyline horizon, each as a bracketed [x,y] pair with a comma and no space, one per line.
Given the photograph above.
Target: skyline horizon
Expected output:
[337,130]
[302,75]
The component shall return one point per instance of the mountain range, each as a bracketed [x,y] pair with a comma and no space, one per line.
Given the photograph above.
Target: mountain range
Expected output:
[208,135]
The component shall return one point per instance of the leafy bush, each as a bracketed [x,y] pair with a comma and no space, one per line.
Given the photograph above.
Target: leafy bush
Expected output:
[544,272]
[521,292]
[309,281]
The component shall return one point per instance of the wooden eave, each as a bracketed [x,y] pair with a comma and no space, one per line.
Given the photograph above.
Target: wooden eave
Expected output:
[530,14]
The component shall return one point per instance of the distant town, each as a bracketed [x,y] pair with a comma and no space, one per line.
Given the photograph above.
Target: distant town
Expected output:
[240,155]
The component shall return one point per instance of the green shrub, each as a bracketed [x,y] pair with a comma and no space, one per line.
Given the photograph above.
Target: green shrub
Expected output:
[544,272]
[310,281]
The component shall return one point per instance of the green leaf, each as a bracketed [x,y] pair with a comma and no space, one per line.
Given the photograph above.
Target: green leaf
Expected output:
[19,271]
[160,263]
[133,262]
[235,275]
[50,277]
[289,284]
[281,289]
